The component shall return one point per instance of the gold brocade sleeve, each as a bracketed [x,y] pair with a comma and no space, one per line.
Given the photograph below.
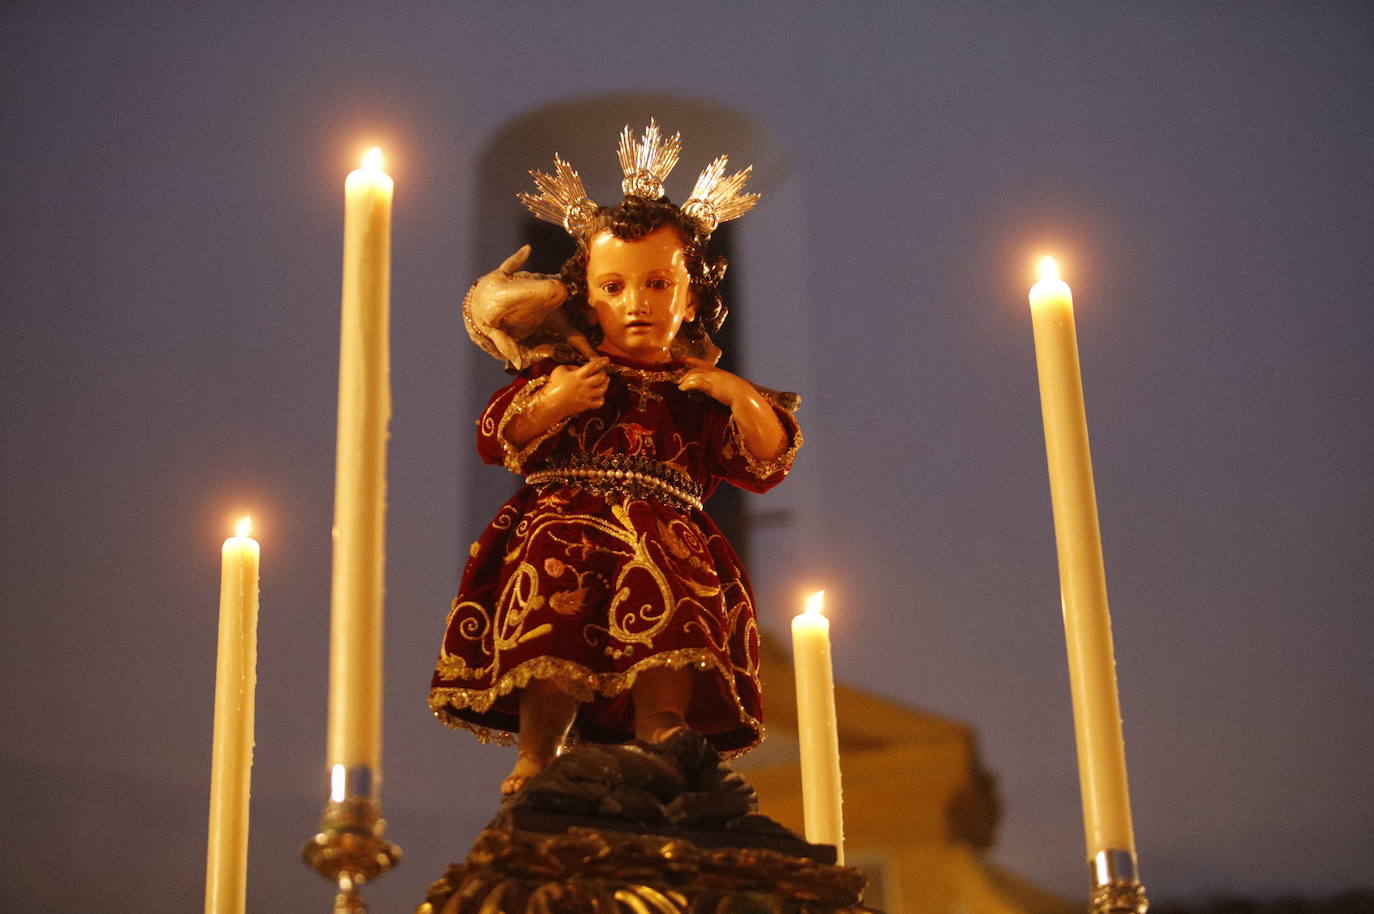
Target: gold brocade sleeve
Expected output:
[517,457]
[737,464]
[510,401]
[767,469]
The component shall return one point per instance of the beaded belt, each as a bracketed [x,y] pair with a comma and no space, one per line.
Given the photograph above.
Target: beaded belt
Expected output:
[617,474]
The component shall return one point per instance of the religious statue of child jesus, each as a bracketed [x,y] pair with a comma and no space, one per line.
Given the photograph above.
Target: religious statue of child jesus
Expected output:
[602,603]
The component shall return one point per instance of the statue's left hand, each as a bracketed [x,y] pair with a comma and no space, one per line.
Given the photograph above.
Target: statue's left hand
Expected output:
[763,434]
[717,383]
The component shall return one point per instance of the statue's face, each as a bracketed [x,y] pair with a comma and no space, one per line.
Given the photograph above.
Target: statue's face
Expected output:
[640,291]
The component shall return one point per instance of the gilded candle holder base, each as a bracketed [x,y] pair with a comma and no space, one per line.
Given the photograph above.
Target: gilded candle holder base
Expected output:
[1116,884]
[349,850]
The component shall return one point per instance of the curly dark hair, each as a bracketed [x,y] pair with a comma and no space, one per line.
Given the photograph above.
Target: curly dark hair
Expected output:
[632,219]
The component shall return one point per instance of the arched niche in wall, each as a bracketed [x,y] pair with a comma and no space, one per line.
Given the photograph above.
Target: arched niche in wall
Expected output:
[585,131]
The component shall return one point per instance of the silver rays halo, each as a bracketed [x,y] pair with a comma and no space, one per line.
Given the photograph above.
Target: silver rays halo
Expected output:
[645,164]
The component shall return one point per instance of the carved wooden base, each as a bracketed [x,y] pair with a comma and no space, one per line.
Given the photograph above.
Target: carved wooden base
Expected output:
[586,871]
[662,828]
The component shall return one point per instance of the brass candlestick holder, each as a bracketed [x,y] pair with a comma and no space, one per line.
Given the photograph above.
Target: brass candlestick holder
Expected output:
[349,849]
[1116,884]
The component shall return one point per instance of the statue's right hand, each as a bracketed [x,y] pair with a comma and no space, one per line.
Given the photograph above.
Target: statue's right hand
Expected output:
[572,390]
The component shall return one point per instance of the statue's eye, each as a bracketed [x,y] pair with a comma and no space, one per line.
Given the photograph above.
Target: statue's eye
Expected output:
[613,287]
[659,284]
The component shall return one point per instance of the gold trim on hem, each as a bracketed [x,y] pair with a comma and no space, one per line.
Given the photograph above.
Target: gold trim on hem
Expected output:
[585,686]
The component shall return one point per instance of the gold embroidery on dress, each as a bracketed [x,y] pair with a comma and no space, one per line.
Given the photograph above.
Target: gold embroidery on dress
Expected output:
[684,543]
[535,632]
[669,563]
[627,624]
[504,519]
[587,428]
[643,394]
[639,440]
[570,602]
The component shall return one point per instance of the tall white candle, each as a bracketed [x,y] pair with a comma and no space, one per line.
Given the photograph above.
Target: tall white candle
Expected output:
[231,767]
[355,642]
[1082,578]
[817,732]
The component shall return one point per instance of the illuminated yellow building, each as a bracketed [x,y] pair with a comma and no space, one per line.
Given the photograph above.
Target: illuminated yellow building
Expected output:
[919,809]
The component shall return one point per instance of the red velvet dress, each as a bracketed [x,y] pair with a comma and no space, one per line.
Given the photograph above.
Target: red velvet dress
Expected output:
[604,565]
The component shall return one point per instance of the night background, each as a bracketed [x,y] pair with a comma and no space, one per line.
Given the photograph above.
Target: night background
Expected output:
[170,245]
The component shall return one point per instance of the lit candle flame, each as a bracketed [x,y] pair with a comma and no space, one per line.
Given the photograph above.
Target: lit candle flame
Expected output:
[372,161]
[1049,270]
[244,526]
[813,603]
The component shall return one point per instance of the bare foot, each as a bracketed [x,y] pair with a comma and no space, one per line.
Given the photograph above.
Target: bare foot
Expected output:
[658,726]
[526,767]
